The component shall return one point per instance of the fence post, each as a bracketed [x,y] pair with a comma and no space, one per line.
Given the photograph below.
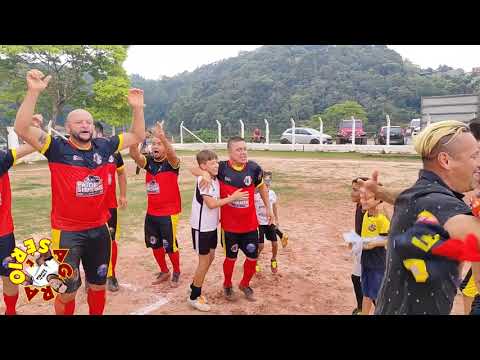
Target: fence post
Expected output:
[219,131]
[242,129]
[321,131]
[388,130]
[267,132]
[181,132]
[293,133]
[353,131]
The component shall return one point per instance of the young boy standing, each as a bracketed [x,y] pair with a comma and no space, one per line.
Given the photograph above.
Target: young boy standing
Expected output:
[204,220]
[265,230]
[375,228]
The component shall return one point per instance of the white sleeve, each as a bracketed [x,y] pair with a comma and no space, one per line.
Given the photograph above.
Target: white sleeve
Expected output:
[209,191]
[273,197]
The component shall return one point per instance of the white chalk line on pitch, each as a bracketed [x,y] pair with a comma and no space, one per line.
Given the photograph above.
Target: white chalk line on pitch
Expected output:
[148,309]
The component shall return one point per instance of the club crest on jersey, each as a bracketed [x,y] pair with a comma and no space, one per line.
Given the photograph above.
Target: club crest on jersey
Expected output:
[234,248]
[372,227]
[97,158]
[248,180]
[90,186]
[153,187]
[111,159]
[153,240]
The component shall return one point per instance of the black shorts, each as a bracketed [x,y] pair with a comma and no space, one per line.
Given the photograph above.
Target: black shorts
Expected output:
[161,231]
[266,231]
[113,224]
[92,247]
[7,244]
[247,242]
[203,242]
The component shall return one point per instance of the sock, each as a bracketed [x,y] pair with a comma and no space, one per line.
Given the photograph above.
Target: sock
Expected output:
[196,292]
[175,259]
[228,265]
[114,256]
[357,287]
[160,257]
[96,301]
[10,303]
[248,272]
[62,308]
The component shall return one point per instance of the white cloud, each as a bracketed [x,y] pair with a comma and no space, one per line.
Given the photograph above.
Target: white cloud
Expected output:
[154,61]
[456,56]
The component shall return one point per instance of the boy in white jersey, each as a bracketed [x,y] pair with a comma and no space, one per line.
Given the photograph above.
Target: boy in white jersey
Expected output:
[204,220]
[268,231]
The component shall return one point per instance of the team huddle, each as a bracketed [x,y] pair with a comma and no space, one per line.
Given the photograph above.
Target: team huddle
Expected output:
[234,194]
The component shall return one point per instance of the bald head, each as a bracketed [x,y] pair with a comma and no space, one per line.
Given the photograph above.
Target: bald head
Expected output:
[79,124]
[78,114]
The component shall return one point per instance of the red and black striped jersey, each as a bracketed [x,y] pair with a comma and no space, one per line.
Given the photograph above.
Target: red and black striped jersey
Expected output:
[239,216]
[115,163]
[7,160]
[80,182]
[162,188]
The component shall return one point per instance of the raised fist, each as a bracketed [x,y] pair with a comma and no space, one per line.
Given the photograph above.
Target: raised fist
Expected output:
[135,98]
[36,81]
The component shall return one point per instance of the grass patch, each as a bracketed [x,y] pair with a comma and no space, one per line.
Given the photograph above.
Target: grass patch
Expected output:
[315,155]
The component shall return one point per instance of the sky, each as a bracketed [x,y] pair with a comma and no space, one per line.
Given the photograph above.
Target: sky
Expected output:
[155,61]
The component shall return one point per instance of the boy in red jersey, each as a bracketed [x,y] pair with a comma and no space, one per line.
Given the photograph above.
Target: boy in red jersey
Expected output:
[164,202]
[239,218]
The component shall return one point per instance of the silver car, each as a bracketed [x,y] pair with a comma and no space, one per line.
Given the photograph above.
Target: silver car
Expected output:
[305,136]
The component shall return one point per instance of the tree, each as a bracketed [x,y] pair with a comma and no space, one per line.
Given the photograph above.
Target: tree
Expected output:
[335,113]
[74,68]
[109,102]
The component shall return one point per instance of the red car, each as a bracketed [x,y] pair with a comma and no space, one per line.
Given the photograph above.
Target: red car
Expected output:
[344,134]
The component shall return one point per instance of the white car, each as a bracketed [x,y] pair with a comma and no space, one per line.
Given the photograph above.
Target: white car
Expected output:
[305,136]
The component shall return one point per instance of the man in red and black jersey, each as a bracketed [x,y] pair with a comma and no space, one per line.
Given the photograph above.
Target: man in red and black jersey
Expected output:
[79,171]
[7,239]
[164,202]
[117,166]
[239,218]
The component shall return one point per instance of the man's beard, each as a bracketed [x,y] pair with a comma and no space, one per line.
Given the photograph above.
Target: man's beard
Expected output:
[79,140]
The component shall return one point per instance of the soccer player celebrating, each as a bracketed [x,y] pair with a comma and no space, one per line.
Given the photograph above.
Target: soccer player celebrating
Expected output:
[164,202]
[79,171]
[239,218]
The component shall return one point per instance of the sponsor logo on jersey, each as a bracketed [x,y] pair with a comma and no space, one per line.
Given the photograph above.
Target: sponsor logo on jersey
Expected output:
[90,186]
[240,204]
[77,158]
[153,187]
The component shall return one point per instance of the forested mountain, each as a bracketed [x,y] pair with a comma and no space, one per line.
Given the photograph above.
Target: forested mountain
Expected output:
[278,82]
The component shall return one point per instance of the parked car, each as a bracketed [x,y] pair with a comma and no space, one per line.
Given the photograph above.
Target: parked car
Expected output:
[414,128]
[344,134]
[397,136]
[305,136]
